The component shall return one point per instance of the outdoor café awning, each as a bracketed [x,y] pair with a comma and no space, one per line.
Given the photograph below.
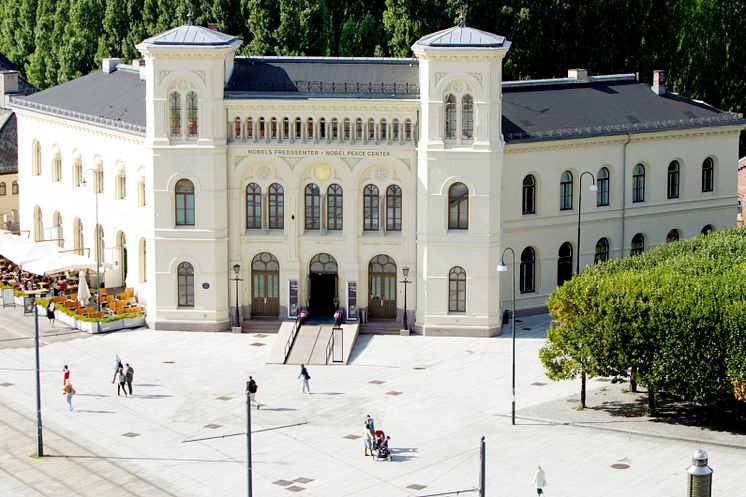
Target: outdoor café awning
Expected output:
[64,261]
[22,250]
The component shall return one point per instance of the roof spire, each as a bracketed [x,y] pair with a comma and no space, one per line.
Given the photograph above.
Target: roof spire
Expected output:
[462,16]
[189,15]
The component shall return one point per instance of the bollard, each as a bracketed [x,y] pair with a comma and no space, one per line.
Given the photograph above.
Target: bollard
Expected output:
[700,476]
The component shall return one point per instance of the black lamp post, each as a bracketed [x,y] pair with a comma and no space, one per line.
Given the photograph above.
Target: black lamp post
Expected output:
[503,268]
[592,187]
[405,282]
[236,271]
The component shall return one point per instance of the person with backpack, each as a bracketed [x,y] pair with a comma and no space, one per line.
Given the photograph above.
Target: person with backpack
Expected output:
[253,387]
[304,374]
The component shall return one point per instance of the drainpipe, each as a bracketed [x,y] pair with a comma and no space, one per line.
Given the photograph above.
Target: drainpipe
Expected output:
[624,189]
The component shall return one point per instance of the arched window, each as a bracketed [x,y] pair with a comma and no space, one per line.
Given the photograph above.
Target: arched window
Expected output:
[174,113]
[285,128]
[38,224]
[322,129]
[100,243]
[458,207]
[192,114]
[276,207]
[673,180]
[309,129]
[249,128]
[450,117]
[3,189]
[707,229]
[708,175]
[564,263]
[57,167]
[273,128]
[371,130]
[638,183]
[78,240]
[14,188]
[457,290]
[346,130]
[359,129]
[638,244]
[313,207]
[121,184]
[566,191]
[527,281]
[529,195]
[395,133]
[262,129]
[36,159]
[467,117]
[602,182]
[393,208]
[77,172]
[384,127]
[334,207]
[253,207]
[672,236]
[237,128]
[186,285]
[141,192]
[57,224]
[184,203]
[298,129]
[98,179]
[370,208]
[335,129]
[408,130]
[602,250]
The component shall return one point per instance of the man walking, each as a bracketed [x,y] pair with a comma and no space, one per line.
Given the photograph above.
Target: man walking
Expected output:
[117,367]
[129,375]
[368,440]
[252,392]
[304,374]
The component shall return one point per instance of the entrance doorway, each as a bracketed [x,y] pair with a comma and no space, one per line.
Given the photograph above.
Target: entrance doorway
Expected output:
[265,281]
[323,286]
[382,288]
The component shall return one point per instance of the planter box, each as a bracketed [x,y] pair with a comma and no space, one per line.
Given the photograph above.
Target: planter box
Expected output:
[64,318]
[86,326]
[107,326]
[136,322]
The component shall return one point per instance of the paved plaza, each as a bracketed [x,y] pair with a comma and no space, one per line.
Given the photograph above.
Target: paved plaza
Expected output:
[435,397]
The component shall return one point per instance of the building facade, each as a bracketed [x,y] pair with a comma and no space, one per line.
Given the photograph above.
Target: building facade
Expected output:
[314,182]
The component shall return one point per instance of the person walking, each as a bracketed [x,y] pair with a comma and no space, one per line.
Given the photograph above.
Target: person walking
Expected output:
[252,392]
[68,391]
[539,481]
[50,313]
[304,374]
[368,440]
[117,367]
[129,374]
[65,374]
[121,380]
[371,424]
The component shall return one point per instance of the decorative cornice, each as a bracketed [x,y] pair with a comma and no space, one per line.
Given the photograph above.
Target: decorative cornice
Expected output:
[81,126]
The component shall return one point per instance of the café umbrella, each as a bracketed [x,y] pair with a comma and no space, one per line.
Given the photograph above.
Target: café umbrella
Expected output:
[84,294]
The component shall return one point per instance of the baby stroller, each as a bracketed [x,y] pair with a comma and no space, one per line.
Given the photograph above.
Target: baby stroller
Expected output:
[381,446]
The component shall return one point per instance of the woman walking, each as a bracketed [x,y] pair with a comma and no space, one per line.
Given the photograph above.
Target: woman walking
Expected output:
[304,374]
[50,313]
[68,391]
[121,381]
[539,481]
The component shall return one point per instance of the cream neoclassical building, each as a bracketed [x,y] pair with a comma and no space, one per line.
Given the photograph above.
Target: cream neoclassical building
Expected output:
[323,178]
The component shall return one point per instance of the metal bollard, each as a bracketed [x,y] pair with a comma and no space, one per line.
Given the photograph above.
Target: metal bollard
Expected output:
[700,476]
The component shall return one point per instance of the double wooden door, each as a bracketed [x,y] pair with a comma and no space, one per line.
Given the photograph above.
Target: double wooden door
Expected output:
[265,298]
[382,297]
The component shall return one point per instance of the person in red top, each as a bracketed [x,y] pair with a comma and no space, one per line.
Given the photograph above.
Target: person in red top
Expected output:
[65,374]
[63,286]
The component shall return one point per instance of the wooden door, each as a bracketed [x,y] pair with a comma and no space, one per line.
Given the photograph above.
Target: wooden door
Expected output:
[265,300]
[382,298]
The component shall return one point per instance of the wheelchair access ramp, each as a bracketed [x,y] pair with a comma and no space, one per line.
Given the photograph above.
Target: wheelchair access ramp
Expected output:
[313,344]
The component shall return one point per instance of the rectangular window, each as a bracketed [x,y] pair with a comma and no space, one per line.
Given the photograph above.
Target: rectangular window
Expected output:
[602,197]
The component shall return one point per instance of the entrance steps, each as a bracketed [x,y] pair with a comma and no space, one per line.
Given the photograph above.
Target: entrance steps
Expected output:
[261,325]
[382,327]
[311,344]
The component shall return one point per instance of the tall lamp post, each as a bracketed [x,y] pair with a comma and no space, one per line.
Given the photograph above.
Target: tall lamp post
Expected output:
[503,268]
[98,239]
[592,187]
[236,271]
[405,282]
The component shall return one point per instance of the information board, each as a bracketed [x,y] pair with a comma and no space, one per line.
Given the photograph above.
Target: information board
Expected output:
[8,299]
[293,298]
[352,300]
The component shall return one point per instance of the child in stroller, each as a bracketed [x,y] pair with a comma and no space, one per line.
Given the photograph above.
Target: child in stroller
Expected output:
[381,444]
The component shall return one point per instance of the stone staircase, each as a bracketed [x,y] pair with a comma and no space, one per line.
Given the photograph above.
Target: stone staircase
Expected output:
[383,327]
[261,325]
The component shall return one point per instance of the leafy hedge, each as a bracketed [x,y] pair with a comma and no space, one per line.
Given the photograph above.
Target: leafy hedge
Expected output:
[59,308]
[673,319]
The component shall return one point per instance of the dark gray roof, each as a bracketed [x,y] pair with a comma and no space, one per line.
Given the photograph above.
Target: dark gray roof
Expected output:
[191,35]
[614,106]
[8,143]
[463,37]
[340,76]
[24,87]
[115,100]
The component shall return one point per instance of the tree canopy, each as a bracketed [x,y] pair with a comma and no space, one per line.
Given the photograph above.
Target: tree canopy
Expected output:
[673,318]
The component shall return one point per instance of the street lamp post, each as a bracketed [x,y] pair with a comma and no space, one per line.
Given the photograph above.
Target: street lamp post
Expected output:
[236,271]
[592,187]
[405,282]
[502,268]
[98,240]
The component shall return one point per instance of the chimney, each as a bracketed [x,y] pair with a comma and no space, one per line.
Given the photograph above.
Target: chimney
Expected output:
[212,25]
[109,64]
[581,75]
[9,82]
[658,80]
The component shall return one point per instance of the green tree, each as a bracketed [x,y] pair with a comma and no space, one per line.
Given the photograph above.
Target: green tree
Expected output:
[264,16]
[303,28]
[116,25]
[43,66]
[80,40]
